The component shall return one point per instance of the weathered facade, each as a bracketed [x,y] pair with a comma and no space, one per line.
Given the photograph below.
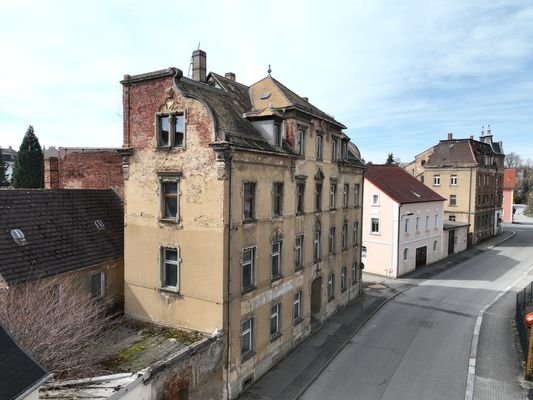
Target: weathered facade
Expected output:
[402,222]
[83,168]
[469,174]
[242,213]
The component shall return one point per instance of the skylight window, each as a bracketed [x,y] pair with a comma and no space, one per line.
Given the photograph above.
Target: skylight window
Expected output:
[264,95]
[18,236]
[99,224]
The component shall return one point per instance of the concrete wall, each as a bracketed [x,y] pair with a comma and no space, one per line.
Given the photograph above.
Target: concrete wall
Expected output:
[461,240]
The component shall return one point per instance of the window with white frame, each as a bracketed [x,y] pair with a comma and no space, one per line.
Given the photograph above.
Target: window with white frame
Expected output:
[406,228]
[355,233]
[275,320]
[247,335]
[451,218]
[248,193]
[354,273]
[434,246]
[345,194]
[427,222]
[375,199]
[436,180]
[344,238]
[356,191]
[98,285]
[436,221]
[334,150]
[277,199]
[332,195]
[374,225]
[297,307]
[277,134]
[298,252]
[169,197]
[170,130]
[276,259]
[247,269]
[170,271]
[316,246]
[343,279]
[453,180]
[453,200]
[318,147]
[417,224]
[331,240]
[331,286]
[405,251]
[300,141]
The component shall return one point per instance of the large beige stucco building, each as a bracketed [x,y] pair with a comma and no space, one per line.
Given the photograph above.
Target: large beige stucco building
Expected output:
[469,174]
[242,212]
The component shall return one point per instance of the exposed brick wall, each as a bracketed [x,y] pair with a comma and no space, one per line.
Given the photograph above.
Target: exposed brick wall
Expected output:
[141,101]
[85,169]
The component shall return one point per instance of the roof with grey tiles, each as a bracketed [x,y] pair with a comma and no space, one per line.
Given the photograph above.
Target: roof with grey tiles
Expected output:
[459,153]
[59,229]
[399,185]
[19,372]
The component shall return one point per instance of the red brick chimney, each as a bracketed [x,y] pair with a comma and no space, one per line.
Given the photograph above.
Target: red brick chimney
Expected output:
[199,65]
[230,75]
[450,136]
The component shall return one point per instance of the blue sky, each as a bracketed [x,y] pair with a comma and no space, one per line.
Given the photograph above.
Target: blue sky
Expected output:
[400,75]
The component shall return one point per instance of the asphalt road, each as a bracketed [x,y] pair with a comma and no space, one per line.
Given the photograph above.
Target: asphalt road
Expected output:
[418,345]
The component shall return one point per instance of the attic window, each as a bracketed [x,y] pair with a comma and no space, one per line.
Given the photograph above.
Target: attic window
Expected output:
[18,236]
[99,224]
[264,95]
[416,194]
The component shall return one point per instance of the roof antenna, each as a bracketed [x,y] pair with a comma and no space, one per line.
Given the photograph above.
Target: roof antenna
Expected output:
[190,65]
[488,129]
[269,70]
[482,130]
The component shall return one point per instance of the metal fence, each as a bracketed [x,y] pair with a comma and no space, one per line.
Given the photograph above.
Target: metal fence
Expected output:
[523,299]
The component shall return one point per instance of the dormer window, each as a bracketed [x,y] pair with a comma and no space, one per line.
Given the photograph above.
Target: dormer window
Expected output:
[170,130]
[18,236]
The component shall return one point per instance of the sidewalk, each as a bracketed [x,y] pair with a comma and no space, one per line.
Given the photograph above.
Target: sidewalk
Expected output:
[293,375]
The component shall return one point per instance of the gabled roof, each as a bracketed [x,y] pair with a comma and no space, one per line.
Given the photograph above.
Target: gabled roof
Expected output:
[19,372]
[399,185]
[280,96]
[60,231]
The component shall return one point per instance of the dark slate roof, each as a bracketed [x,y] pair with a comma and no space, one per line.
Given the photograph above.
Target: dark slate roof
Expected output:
[60,231]
[399,185]
[19,372]
[459,153]
[227,109]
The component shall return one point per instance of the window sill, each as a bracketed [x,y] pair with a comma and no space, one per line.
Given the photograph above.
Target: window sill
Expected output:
[299,268]
[298,320]
[343,290]
[275,337]
[331,298]
[276,280]
[247,290]
[246,356]
[249,221]
[169,290]
[277,217]
[167,220]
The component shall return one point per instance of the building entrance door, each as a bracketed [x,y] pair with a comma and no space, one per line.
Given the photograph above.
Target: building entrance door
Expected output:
[451,241]
[421,256]
[316,297]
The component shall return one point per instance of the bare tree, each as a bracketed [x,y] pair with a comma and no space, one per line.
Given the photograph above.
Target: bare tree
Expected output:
[56,324]
[513,160]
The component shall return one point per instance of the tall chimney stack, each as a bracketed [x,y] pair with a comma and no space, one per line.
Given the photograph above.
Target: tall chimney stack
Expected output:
[199,61]
[450,136]
[230,75]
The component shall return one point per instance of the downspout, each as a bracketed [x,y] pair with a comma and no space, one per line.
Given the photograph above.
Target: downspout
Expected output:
[228,283]
[360,233]
[470,206]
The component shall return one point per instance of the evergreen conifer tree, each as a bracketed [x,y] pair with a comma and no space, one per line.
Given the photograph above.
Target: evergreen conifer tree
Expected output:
[3,169]
[28,171]
[390,159]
